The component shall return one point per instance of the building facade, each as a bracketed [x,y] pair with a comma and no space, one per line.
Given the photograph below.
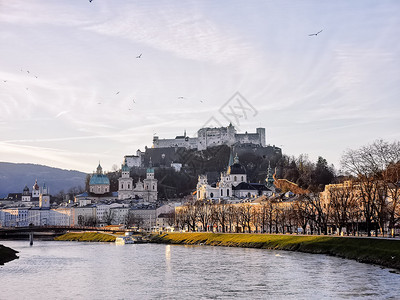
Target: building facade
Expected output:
[146,189]
[232,185]
[211,137]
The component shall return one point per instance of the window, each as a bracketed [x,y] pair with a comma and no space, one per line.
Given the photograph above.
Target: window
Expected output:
[234,178]
[222,193]
[212,195]
[227,193]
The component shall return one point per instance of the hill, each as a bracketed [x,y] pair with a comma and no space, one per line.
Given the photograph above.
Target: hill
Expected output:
[14,177]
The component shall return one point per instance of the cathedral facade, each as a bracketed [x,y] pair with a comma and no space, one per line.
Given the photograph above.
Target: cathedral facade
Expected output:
[146,189]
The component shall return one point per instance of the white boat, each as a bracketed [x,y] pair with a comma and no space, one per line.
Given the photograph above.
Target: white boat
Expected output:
[124,240]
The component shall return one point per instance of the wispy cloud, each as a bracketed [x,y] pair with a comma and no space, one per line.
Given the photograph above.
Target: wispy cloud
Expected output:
[181,30]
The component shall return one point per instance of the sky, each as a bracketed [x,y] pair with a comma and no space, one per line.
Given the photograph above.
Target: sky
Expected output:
[83,82]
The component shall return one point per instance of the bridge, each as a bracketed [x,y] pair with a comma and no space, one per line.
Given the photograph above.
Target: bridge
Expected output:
[52,231]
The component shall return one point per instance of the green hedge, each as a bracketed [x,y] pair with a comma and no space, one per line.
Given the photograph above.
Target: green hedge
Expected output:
[86,237]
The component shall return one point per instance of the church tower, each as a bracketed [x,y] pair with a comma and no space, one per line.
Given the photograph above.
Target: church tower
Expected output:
[150,185]
[270,179]
[26,195]
[35,190]
[125,183]
[44,197]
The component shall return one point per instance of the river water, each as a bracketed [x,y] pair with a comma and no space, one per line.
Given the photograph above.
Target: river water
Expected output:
[74,270]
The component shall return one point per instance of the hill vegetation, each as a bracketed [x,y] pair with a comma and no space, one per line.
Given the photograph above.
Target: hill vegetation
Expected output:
[14,177]
[300,170]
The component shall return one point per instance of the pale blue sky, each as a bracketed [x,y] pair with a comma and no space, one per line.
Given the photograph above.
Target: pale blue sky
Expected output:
[314,94]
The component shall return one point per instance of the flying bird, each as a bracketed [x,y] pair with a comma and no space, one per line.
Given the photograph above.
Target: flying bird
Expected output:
[315,33]
[28,72]
[36,76]
[181,97]
[90,0]
[133,100]
[139,56]
[116,93]
[5,80]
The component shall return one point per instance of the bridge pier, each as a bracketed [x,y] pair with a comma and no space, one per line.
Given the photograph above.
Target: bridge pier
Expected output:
[31,238]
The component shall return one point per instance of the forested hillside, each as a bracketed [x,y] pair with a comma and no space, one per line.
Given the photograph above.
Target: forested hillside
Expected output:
[14,177]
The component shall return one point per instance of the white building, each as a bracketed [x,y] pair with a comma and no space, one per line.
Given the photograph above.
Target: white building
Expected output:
[81,215]
[210,137]
[134,160]
[232,185]
[148,216]
[119,214]
[14,217]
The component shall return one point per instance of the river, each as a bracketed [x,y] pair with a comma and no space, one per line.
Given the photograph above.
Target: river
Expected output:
[74,270]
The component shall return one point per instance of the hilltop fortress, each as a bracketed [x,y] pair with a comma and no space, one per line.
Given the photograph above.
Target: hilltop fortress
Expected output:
[211,137]
[174,152]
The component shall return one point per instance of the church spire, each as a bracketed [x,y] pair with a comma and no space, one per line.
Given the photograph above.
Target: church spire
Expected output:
[270,179]
[236,159]
[99,169]
[230,162]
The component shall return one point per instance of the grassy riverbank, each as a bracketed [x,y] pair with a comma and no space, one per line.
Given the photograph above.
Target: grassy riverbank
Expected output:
[7,254]
[86,237]
[369,250]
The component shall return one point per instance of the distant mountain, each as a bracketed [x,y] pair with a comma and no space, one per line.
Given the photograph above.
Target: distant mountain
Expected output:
[14,177]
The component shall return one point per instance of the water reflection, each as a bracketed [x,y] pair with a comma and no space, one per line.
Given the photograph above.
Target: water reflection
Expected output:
[168,258]
[73,270]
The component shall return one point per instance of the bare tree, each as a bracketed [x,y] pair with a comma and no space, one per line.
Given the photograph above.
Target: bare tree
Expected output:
[108,216]
[343,202]
[134,220]
[246,212]
[204,213]
[371,165]
[221,215]
[318,212]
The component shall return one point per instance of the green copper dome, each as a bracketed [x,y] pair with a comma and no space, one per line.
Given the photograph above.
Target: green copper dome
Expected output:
[99,179]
